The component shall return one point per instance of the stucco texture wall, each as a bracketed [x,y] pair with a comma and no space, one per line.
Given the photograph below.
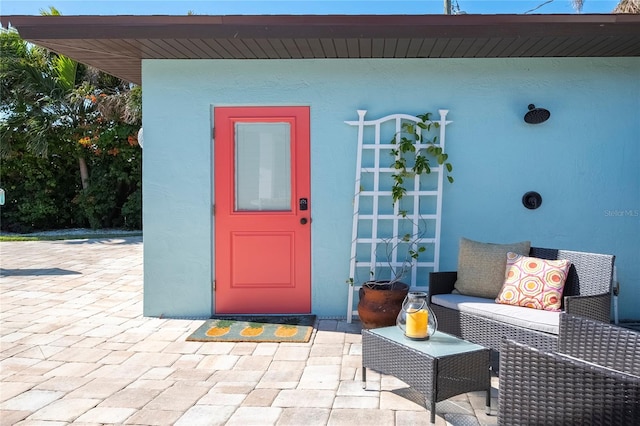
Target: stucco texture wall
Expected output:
[583,161]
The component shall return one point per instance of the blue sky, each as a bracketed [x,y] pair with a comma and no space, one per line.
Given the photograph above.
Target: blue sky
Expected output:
[257,7]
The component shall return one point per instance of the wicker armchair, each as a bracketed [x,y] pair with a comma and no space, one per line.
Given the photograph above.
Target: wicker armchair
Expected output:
[593,378]
[587,293]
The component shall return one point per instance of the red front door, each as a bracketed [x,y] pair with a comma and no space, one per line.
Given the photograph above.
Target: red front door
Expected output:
[262,210]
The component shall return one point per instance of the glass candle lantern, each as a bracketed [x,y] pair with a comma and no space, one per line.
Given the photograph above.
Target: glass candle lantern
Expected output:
[416,320]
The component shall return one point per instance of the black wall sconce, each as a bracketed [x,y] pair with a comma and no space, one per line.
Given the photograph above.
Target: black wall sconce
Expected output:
[536,115]
[532,200]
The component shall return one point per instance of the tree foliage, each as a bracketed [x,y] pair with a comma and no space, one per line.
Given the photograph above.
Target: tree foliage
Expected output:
[628,6]
[59,118]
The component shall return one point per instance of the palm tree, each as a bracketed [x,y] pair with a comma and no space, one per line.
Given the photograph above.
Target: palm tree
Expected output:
[625,6]
[46,107]
[54,99]
[628,6]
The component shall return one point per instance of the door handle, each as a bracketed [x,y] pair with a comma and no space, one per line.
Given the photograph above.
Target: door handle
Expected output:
[304,221]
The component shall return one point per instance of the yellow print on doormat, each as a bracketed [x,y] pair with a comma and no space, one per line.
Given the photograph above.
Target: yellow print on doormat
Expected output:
[268,329]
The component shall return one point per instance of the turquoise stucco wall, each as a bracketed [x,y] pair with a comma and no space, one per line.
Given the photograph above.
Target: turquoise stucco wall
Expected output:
[584,160]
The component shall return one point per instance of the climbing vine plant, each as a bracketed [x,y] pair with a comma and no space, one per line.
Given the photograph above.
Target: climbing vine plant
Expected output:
[412,157]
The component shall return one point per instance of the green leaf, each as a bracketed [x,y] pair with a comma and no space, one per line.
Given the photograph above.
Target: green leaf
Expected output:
[422,126]
[397,192]
[450,179]
[421,164]
[65,70]
[407,145]
[449,167]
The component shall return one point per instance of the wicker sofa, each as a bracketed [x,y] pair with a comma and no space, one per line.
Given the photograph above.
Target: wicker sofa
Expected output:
[593,378]
[587,292]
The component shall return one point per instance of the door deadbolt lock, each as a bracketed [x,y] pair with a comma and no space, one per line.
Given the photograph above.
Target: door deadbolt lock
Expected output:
[304,221]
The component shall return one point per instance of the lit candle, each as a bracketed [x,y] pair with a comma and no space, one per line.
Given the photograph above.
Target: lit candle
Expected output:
[417,321]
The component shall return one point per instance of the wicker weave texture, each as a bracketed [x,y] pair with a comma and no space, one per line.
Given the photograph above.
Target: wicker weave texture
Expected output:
[597,307]
[435,378]
[590,273]
[488,332]
[387,357]
[542,388]
[604,344]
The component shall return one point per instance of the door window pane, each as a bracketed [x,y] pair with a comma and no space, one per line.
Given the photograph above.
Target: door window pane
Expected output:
[263,166]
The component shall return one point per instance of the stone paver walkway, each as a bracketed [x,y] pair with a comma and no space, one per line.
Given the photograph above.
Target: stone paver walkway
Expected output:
[75,348]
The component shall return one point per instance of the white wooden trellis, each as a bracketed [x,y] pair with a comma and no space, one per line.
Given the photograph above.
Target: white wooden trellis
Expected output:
[377,189]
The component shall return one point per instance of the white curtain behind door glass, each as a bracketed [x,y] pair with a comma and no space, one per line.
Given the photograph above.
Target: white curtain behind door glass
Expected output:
[262,166]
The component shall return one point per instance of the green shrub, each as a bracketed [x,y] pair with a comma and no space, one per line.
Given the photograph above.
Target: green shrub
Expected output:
[46,193]
[39,192]
[115,174]
[132,210]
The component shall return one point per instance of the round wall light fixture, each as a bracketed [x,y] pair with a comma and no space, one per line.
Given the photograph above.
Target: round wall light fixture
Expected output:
[531,200]
[536,115]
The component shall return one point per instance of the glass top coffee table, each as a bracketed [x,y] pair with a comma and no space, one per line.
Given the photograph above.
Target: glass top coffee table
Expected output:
[438,368]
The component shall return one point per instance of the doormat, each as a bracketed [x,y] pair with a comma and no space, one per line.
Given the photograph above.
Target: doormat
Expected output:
[290,328]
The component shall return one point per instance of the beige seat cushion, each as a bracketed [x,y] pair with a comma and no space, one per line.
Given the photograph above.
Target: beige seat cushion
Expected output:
[481,266]
[532,319]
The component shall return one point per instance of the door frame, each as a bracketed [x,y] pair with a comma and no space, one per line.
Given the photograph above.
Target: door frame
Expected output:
[301,131]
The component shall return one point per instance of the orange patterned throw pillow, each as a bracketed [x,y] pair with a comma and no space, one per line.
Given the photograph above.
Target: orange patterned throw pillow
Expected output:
[534,283]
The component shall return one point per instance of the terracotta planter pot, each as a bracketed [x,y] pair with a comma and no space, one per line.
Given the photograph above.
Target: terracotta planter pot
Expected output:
[379,304]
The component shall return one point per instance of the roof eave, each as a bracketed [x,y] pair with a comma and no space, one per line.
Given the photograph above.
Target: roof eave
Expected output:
[117,44]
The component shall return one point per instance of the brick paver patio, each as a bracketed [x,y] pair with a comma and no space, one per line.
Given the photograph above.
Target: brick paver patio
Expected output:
[75,348]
